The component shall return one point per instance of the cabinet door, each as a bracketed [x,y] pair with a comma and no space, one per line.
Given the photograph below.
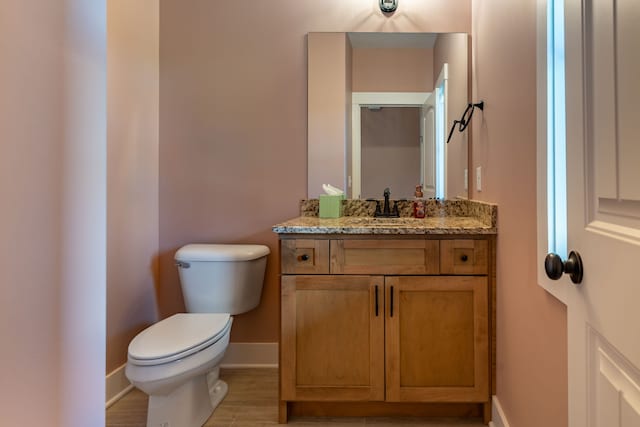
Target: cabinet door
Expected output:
[437,339]
[332,338]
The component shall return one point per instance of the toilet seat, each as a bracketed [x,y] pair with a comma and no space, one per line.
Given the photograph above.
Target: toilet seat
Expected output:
[177,337]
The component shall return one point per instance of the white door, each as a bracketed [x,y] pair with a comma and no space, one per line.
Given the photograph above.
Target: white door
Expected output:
[603,206]
[428,134]
[441,91]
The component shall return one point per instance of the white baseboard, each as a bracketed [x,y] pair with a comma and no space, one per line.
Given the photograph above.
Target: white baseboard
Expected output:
[238,355]
[497,414]
[251,355]
[117,385]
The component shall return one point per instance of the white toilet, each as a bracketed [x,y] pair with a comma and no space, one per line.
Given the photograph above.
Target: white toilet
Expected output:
[175,361]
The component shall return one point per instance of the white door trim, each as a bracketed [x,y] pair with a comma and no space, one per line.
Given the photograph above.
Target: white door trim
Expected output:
[359,99]
[553,287]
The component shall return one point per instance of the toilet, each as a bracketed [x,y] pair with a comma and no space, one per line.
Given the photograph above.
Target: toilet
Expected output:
[176,361]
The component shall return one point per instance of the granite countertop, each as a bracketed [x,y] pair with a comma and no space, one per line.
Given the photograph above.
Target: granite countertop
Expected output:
[369,225]
[443,217]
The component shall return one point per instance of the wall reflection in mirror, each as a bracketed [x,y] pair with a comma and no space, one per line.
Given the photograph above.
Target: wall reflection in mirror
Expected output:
[379,105]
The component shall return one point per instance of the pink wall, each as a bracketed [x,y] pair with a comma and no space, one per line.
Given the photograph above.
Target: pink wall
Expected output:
[327,100]
[233,84]
[132,174]
[30,157]
[53,216]
[392,70]
[348,117]
[532,329]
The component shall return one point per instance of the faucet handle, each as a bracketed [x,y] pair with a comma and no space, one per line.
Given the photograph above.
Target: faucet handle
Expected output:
[396,211]
[378,211]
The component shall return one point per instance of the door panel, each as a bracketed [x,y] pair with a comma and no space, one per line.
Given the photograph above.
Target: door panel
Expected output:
[602,66]
[318,329]
[616,400]
[337,313]
[612,126]
[449,363]
[628,96]
[437,338]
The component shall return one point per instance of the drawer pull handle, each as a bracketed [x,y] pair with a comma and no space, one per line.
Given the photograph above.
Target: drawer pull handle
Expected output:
[303,257]
[376,300]
[464,258]
[391,303]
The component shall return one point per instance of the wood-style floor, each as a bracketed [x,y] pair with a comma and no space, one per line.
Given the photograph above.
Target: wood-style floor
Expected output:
[252,402]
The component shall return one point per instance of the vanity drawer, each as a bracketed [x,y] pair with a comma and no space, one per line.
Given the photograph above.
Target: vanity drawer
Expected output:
[304,256]
[463,256]
[385,257]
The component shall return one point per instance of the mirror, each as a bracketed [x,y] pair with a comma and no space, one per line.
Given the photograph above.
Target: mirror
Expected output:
[404,89]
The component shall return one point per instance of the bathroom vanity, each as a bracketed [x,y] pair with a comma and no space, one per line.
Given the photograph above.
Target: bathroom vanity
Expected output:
[383,316]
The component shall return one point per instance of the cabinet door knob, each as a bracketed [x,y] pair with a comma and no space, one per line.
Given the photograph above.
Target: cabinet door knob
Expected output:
[303,257]
[376,300]
[464,258]
[391,302]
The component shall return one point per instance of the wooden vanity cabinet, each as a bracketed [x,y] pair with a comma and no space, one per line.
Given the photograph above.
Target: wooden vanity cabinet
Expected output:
[332,338]
[436,339]
[384,322]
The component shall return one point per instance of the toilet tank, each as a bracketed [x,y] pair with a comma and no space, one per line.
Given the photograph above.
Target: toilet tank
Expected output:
[219,278]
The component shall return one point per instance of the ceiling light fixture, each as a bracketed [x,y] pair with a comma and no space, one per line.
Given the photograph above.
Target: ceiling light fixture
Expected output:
[388,5]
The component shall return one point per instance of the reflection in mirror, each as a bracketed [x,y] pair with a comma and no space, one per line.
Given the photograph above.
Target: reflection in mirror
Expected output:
[389,148]
[406,146]
[389,151]
[347,71]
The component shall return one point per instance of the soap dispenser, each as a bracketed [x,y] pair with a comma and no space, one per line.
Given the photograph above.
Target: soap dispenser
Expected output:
[418,203]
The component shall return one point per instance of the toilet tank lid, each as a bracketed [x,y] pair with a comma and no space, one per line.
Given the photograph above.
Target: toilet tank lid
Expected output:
[220,252]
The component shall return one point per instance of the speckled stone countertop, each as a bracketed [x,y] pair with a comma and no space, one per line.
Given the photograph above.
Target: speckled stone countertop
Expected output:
[448,217]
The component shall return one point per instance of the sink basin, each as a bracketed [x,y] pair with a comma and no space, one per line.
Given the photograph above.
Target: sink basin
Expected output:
[382,220]
[378,221]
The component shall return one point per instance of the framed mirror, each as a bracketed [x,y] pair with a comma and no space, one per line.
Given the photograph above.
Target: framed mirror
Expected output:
[379,108]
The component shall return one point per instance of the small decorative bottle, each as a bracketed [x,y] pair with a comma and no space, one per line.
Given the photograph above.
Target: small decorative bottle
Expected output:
[418,203]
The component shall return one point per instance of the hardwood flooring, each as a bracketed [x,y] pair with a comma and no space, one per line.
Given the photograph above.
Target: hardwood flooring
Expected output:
[252,402]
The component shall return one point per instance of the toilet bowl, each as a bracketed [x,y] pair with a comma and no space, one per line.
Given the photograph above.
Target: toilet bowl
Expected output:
[176,361]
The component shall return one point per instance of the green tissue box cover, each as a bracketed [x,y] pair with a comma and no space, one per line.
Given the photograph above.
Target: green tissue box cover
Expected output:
[331,206]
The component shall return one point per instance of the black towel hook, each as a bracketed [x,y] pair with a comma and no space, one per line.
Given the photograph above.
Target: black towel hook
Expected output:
[465,119]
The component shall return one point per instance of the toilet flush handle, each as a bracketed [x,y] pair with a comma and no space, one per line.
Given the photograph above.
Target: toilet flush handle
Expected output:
[182,264]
